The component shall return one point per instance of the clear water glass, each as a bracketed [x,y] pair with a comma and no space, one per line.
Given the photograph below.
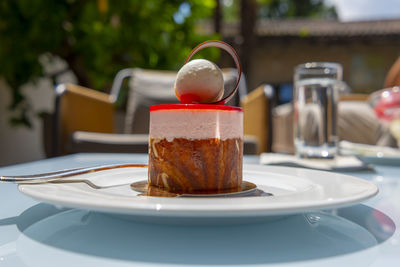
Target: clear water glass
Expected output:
[316,95]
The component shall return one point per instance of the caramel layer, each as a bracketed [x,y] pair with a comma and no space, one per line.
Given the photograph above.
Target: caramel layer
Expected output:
[201,165]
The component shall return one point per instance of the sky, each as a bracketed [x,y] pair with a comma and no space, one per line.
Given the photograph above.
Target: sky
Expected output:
[353,10]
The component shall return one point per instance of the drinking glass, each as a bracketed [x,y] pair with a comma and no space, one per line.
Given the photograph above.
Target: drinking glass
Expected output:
[316,94]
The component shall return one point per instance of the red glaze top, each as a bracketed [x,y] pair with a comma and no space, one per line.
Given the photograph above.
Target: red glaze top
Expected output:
[194,107]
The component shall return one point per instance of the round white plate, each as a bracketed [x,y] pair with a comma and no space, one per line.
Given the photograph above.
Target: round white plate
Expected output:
[294,190]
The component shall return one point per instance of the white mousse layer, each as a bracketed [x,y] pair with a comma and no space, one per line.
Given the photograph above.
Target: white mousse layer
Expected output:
[196,124]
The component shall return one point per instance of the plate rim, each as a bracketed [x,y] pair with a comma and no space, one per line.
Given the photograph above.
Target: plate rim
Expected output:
[160,209]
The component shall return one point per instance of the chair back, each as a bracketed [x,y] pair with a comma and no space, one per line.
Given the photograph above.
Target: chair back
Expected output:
[80,109]
[257,116]
[147,88]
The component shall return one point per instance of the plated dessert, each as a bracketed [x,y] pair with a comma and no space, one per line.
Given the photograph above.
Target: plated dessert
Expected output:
[197,146]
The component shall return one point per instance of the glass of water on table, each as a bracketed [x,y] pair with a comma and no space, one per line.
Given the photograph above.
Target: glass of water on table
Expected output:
[316,95]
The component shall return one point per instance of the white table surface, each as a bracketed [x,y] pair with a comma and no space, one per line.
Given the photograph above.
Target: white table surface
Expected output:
[39,234]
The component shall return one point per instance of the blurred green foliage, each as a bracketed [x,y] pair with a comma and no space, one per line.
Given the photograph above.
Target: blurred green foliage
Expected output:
[95,38]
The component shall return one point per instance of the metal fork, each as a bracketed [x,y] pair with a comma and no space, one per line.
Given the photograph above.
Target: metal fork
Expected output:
[59,176]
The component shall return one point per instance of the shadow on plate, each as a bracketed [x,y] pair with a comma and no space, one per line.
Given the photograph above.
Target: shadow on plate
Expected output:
[309,236]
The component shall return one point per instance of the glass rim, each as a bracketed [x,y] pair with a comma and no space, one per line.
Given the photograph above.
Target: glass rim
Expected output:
[374,96]
[319,64]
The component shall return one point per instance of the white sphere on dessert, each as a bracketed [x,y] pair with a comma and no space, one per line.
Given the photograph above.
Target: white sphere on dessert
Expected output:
[199,81]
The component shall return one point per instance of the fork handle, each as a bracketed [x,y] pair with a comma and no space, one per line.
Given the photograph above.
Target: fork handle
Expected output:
[51,176]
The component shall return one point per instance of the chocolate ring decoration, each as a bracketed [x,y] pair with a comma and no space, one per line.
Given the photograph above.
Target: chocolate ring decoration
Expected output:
[234,55]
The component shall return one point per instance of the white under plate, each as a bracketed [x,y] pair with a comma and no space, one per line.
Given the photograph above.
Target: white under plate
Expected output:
[370,154]
[380,159]
[294,190]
